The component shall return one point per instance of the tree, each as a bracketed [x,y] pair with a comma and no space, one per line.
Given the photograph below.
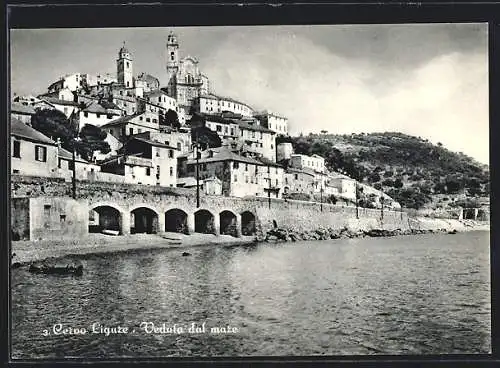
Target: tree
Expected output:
[171,119]
[206,137]
[54,124]
[92,139]
[398,183]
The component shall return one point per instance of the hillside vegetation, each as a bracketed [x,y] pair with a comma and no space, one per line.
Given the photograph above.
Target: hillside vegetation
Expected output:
[410,169]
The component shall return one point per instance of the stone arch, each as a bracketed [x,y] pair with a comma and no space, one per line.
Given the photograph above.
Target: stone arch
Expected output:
[176,220]
[228,223]
[204,222]
[248,226]
[144,219]
[105,216]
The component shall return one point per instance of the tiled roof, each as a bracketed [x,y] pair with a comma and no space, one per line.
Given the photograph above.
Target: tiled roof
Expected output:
[255,127]
[213,96]
[268,162]
[153,143]
[69,156]
[226,155]
[56,101]
[22,109]
[156,92]
[302,171]
[21,130]
[97,108]
[121,120]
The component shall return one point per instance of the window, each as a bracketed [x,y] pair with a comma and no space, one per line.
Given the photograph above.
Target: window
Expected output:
[232,131]
[235,178]
[109,116]
[157,152]
[251,179]
[179,146]
[98,115]
[172,56]
[246,167]
[131,130]
[139,130]
[124,131]
[62,218]
[86,114]
[171,171]
[167,143]
[128,65]
[16,149]
[219,128]
[236,165]
[65,111]
[41,153]
[148,171]
[128,84]
[71,165]
[246,179]
[148,120]
[46,210]
[272,146]
[296,176]
[268,170]
[121,93]
[253,134]
[276,182]
[157,172]
[59,163]
[140,118]
[225,130]
[170,153]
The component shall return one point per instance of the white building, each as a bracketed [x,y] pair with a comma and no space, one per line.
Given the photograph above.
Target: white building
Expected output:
[273,121]
[212,104]
[131,124]
[33,154]
[98,115]
[314,162]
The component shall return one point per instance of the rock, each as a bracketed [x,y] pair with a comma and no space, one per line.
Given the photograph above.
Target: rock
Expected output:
[54,267]
[16,265]
[454,231]
[185,254]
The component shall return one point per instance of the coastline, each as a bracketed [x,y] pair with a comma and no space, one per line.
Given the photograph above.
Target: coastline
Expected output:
[26,252]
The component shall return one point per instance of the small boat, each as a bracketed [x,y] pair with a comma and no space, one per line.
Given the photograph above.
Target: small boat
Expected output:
[110,232]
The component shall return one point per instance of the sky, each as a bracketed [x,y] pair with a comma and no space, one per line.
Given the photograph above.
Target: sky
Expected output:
[427,80]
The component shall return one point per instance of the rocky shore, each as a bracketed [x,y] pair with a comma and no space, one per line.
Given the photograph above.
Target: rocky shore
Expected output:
[419,226]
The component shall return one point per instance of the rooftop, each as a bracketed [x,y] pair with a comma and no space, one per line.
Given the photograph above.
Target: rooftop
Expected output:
[226,155]
[121,120]
[22,109]
[255,127]
[57,101]
[213,96]
[21,130]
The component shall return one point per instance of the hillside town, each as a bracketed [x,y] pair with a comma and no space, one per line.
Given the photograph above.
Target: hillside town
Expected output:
[152,133]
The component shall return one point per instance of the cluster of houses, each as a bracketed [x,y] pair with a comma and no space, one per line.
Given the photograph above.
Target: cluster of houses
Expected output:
[132,110]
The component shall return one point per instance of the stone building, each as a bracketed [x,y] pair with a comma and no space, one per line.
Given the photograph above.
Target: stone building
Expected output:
[185,81]
[83,168]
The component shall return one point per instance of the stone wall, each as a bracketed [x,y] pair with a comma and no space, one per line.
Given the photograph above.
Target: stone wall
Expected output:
[57,218]
[20,219]
[291,214]
[299,216]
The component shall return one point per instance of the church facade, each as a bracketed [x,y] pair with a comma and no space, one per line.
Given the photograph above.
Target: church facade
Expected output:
[185,81]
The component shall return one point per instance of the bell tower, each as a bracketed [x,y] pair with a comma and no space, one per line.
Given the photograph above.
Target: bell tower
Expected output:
[125,68]
[172,59]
